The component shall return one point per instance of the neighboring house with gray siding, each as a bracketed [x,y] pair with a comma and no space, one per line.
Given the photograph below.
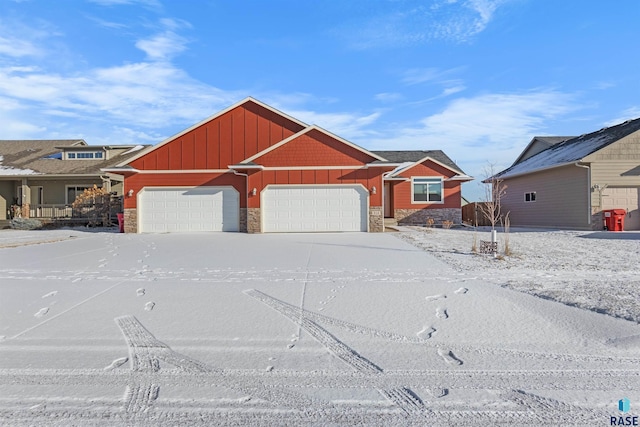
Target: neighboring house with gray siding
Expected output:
[569,183]
[41,178]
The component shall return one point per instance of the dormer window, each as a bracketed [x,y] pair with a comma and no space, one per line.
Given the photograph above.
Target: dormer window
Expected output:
[85,155]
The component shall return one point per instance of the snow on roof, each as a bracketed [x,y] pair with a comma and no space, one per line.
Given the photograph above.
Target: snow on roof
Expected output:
[400,167]
[133,150]
[9,171]
[572,150]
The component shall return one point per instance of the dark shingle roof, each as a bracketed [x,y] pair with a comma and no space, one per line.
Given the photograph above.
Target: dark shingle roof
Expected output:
[573,150]
[39,156]
[416,155]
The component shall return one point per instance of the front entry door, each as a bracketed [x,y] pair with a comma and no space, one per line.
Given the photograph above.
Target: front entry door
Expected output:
[387,200]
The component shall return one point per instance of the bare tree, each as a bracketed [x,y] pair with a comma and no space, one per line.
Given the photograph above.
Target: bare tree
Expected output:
[494,191]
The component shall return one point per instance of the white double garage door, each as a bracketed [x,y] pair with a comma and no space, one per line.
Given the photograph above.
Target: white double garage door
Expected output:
[285,208]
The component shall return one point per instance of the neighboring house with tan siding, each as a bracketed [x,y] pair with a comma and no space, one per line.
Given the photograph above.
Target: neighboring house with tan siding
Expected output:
[569,183]
[41,178]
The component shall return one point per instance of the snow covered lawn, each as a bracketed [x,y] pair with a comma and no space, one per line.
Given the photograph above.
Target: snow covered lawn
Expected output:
[100,328]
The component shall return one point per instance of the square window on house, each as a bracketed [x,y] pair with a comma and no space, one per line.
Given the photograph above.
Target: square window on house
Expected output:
[530,197]
[98,155]
[427,190]
[74,191]
[71,155]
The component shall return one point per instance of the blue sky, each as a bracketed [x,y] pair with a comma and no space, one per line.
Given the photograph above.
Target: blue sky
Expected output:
[475,78]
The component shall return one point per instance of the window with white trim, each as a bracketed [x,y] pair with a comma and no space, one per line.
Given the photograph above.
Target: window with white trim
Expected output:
[426,190]
[530,197]
[85,155]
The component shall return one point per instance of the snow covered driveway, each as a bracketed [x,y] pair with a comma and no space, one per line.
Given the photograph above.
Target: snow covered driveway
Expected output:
[296,329]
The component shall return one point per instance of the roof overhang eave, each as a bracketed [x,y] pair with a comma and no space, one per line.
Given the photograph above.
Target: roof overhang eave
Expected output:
[515,175]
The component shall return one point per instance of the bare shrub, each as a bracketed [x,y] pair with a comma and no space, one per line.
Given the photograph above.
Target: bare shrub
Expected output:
[447,224]
[430,222]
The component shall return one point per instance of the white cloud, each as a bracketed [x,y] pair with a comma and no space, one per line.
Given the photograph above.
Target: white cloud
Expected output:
[17,48]
[487,128]
[388,97]
[162,46]
[346,125]
[412,22]
[628,114]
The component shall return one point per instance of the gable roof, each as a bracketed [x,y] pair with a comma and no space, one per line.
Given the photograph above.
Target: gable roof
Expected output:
[210,118]
[541,143]
[41,157]
[572,150]
[306,130]
[419,156]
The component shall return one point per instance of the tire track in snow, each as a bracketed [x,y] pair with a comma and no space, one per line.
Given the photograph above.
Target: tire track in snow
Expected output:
[146,352]
[402,397]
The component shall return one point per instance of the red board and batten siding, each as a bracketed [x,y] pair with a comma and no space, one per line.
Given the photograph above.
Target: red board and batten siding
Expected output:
[314,148]
[227,139]
[336,162]
[452,189]
[369,178]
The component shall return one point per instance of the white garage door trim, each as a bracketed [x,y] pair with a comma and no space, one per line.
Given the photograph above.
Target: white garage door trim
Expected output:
[211,208]
[314,208]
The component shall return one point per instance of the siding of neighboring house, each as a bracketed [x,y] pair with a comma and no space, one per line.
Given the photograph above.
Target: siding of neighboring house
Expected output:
[616,170]
[54,191]
[562,198]
[7,194]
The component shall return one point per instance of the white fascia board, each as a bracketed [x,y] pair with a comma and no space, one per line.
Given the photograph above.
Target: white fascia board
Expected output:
[529,172]
[208,119]
[460,178]
[243,166]
[117,170]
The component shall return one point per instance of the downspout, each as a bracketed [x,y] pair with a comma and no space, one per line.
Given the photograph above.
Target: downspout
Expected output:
[588,191]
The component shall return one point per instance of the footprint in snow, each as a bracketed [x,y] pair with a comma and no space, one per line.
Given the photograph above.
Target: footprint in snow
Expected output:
[140,292]
[269,368]
[50,294]
[435,297]
[42,312]
[441,313]
[117,363]
[462,291]
[449,357]
[77,279]
[426,332]
[149,306]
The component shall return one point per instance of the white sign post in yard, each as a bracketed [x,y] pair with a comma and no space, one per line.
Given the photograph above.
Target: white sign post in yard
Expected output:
[494,242]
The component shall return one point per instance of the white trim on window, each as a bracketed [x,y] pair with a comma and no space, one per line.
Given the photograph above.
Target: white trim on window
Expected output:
[530,197]
[428,181]
[85,155]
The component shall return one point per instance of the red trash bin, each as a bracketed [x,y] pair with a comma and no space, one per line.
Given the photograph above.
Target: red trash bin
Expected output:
[614,219]
[121,222]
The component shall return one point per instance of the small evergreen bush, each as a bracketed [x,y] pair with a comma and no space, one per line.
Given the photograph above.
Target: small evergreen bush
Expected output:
[25,224]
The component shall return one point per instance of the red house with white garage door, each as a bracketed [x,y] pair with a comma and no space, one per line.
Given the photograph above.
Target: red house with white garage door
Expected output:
[254,169]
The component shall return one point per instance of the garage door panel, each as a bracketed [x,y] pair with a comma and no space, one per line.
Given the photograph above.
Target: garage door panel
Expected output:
[626,198]
[314,208]
[180,210]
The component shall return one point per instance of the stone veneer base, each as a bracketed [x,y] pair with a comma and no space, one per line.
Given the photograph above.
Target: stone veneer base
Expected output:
[253,220]
[131,220]
[420,216]
[376,220]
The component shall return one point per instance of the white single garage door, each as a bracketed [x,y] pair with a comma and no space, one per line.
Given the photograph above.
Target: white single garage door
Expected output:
[626,198]
[309,208]
[162,210]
